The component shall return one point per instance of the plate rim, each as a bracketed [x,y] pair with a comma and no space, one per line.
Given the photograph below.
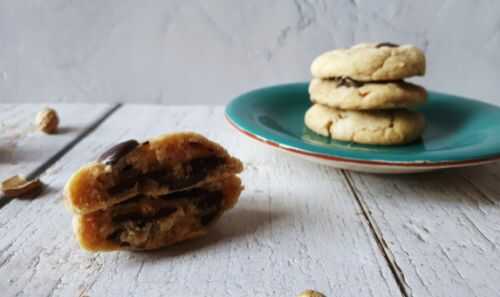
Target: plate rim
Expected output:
[418,164]
[332,157]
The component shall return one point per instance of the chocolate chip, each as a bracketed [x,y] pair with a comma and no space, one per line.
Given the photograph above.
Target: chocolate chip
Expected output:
[386,44]
[348,82]
[115,153]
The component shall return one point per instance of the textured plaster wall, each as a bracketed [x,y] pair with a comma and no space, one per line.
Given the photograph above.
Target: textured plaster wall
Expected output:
[206,52]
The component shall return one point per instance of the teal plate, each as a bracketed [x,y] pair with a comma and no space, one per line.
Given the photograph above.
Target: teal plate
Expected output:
[460,132]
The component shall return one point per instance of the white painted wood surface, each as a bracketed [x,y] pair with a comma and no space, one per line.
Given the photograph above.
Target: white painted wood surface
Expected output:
[442,229]
[23,148]
[297,226]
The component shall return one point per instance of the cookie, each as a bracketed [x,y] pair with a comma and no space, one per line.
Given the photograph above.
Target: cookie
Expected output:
[371,62]
[344,93]
[382,127]
[146,223]
[166,164]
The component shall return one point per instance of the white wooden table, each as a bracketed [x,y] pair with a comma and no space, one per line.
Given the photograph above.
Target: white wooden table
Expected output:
[297,226]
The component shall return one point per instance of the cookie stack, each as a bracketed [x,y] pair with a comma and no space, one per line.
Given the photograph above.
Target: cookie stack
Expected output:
[359,94]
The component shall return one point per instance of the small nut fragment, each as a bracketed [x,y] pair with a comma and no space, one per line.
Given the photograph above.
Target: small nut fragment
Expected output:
[18,187]
[47,121]
[311,293]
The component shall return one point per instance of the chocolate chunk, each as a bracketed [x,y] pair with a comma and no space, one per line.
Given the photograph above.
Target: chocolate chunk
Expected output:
[115,153]
[386,44]
[348,82]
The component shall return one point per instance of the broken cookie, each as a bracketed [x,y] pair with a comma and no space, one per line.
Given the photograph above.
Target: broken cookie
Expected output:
[145,222]
[147,195]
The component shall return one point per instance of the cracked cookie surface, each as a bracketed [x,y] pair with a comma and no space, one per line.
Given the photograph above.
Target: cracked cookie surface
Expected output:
[381,127]
[371,62]
[364,96]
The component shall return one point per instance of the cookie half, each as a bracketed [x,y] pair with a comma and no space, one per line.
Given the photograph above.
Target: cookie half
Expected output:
[344,93]
[146,223]
[382,127]
[163,165]
[371,62]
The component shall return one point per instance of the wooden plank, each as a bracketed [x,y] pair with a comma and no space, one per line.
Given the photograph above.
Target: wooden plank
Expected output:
[442,229]
[296,227]
[23,149]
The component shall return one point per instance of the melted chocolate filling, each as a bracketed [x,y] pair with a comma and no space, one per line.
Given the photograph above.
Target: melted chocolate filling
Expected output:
[141,218]
[128,179]
[208,203]
[196,170]
[209,207]
[115,237]
[348,82]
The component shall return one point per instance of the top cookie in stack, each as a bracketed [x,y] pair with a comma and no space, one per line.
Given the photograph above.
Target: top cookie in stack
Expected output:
[360,95]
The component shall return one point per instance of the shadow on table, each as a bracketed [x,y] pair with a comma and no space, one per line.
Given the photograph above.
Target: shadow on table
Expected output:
[67,129]
[18,154]
[12,153]
[236,223]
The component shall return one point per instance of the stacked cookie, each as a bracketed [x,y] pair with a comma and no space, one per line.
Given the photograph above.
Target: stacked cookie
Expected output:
[359,94]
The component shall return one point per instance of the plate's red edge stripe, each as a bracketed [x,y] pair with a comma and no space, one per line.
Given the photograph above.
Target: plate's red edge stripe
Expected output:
[428,165]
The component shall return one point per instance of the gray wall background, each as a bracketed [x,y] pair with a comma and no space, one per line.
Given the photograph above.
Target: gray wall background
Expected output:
[206,52]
